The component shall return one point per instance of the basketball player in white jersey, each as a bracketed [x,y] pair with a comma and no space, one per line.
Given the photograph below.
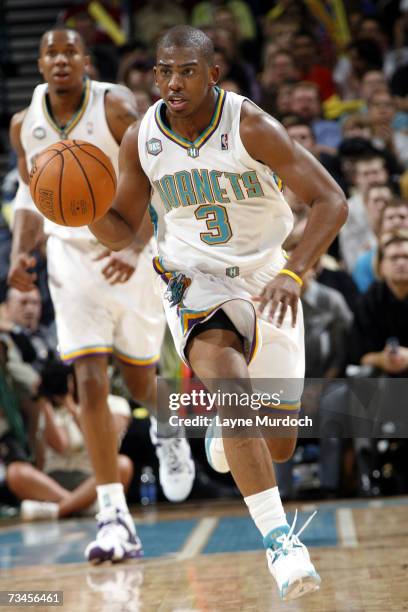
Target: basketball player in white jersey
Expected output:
[103,306]
[208,162]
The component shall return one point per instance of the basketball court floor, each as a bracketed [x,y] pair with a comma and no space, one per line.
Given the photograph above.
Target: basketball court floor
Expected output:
[208,558]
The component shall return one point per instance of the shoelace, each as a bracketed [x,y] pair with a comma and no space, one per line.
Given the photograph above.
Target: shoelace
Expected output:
[290,539]
[170,448]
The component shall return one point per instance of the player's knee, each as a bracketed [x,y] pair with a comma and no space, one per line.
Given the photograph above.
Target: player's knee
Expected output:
[125,469]
[142,384]
[93,385]
[281,450]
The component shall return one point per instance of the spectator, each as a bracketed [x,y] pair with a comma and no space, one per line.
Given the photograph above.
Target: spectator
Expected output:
[279,68]
[280,31]
[65,485]
[381,111]
[383,311]
[327,319]
[240,69]
[306,53]
[376,198]
[104,53]
[357,125]
[306,103]
[156,16]
[230,70]
[301,131]
[36,342]
[356,236]
[361,56]
[280,104]
[394,216]
[235,16]
[19,410]
[137,73]
[371,81]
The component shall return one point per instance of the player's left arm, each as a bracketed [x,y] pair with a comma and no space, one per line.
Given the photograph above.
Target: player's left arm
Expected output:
[266,140]
[120,110]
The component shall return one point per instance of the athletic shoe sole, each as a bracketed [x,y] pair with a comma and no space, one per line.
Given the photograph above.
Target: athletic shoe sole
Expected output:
[300,586]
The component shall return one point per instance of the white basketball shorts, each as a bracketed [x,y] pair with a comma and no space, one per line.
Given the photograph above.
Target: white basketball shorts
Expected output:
[192,297]
[96,318]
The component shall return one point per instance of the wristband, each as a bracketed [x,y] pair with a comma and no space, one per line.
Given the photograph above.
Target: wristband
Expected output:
[292,275]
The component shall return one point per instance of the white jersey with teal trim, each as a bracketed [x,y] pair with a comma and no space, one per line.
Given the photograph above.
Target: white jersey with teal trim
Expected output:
[216,209]
[39,131]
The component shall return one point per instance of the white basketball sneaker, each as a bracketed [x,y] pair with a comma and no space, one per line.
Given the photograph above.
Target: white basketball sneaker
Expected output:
[214,449]
[116,539]
[33,510]
[289,562]
[176,465]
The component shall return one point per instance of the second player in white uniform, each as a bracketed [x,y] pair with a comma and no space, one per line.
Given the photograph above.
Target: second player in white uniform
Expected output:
[92,316]
[103,305]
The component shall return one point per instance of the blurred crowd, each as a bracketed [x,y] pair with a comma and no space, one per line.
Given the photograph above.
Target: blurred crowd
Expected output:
[338,82]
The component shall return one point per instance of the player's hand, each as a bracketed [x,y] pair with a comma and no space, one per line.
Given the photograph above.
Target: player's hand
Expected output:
[20,277]
[117,270]
[281,293]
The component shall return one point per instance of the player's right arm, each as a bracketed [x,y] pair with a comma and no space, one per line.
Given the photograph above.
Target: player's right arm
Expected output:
[118,227]
[27,224]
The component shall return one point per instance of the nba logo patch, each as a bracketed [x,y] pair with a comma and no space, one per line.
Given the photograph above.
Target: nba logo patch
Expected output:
[39,132]
[224,142]
[232,272]
[154,146]
[193,152]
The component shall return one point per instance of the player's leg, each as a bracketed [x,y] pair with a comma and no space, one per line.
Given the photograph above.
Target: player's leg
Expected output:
[218,354]
[83,308]
[138,337]
[176,466]
[216,357]
[92,381]
[116,538]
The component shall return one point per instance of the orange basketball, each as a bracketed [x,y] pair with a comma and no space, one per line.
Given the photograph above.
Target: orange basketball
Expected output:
[72,182]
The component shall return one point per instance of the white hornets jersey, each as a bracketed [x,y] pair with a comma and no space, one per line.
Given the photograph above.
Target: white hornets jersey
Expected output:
[215,208]
[39,131]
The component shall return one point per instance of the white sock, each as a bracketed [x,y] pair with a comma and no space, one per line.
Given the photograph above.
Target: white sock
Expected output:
[112,495]
[266,510]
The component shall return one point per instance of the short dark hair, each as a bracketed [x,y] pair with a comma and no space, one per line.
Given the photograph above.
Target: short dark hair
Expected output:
[187,36]
[62,29]
[390,238]
[396,202]
[289,121]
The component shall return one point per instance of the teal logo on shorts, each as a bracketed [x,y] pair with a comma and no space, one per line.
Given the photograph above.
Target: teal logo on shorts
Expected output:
[154,146]
[232,272]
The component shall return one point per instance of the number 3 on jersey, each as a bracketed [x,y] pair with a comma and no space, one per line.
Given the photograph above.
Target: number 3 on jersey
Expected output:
[217,222]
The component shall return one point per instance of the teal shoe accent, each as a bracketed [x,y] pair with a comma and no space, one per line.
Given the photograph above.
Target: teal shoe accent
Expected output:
[271,540]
